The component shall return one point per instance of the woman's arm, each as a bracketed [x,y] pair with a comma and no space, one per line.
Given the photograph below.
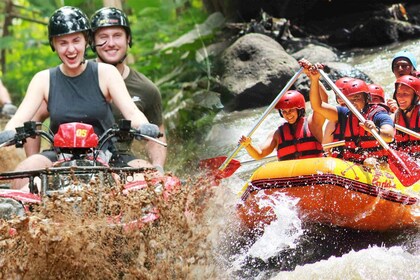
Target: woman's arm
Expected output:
[264,149]
[316,98]
[326,110]
[113,87]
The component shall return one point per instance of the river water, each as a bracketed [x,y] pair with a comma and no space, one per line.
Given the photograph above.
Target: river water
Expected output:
[290,249]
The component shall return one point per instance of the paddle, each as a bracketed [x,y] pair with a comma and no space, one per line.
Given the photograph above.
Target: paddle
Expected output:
[408,131]
[225,164]
[333,144]
[213,164]
[404,167]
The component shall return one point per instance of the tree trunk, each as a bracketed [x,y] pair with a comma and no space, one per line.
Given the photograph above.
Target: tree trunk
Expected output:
[113,3]
[227,7]
[7,22]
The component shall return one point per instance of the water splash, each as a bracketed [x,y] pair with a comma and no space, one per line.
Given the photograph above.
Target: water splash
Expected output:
[256,249]
[281,233]
[372,263]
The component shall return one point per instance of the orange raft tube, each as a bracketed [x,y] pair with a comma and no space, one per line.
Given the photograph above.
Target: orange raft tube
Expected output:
[332,191]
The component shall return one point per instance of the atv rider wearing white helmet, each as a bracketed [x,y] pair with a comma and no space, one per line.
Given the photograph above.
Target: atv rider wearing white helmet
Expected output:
[111,38]
[74,91]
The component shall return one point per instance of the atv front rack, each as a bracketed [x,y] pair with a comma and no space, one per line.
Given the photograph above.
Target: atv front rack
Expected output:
[47,173]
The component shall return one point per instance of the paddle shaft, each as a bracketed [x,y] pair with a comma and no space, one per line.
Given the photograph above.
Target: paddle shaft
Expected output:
[333,144]
[408,131]
[263,117]
[353,109]
[269,158]
[154,140]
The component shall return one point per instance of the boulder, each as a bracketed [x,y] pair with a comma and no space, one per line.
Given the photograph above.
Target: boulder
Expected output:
[254,70]
[315,53]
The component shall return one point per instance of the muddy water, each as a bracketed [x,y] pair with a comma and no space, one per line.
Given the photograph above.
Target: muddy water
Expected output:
[9,156]
[71,237]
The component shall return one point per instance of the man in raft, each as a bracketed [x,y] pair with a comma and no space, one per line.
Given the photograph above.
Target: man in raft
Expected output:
[360,144]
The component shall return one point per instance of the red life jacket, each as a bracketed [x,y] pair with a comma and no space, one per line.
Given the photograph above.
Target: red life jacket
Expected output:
[404,141]
[298,144]
[359,144]
[338,135]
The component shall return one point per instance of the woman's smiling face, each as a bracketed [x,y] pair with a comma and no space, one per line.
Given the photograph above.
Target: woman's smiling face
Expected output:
[404,96]
[71,49]
[290,115]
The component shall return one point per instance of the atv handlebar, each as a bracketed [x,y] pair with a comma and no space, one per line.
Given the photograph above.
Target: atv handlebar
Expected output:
[28,130]
[123,131]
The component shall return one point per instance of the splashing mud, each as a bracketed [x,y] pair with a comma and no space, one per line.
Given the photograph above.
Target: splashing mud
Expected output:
[9,156]
[71,236]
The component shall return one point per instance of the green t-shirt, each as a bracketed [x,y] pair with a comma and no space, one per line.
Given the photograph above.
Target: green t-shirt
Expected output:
[145,95]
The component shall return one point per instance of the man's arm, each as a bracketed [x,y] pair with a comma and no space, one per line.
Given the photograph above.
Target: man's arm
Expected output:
[156,152]
[386,126]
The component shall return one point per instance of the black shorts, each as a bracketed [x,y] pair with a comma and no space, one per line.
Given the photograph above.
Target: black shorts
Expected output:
[50,154]
[117,159]
[121,159]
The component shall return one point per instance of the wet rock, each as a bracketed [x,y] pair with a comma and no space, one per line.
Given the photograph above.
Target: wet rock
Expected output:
[315,53]
[253,70]
[337,70]
[376,31]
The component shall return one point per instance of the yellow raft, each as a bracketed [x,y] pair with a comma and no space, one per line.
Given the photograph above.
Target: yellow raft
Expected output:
[332,191]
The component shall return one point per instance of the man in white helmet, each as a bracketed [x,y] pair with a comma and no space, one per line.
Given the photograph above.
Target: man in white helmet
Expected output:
[111,38]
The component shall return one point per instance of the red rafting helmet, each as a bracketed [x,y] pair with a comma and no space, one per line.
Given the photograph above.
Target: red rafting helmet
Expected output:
[409,81]
[357,86]
[290,100]
[341,84]
[343,81]
[376,90]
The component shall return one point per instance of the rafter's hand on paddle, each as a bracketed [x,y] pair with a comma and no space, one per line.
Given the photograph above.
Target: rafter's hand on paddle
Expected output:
[311,70]
[244,141]
[368,125]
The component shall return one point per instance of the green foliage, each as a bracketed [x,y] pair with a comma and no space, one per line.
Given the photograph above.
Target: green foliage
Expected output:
[175,70]
[43,7]
[27,53]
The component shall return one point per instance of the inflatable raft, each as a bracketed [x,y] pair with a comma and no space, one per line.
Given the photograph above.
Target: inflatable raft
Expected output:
[332,191]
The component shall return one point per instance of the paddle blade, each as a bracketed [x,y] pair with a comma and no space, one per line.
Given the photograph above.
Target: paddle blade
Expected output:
[213,164]
[404,167]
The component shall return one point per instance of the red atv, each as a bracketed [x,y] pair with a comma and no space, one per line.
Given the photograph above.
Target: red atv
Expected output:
[82,160]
